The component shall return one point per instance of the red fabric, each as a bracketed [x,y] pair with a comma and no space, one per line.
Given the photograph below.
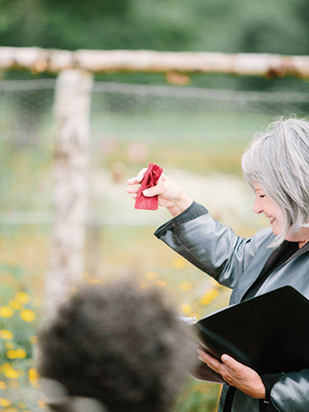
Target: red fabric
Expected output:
[150,179]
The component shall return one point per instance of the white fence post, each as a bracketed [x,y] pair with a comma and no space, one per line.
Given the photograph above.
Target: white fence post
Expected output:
[70,197]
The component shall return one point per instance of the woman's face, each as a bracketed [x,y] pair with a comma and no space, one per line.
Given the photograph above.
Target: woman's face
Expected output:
[263,204]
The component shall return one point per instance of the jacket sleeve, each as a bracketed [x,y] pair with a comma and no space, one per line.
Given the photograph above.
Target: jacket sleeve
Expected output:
[209,245]
[291,392]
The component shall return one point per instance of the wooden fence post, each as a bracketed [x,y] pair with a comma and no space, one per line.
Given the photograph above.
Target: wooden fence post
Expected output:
[70,197]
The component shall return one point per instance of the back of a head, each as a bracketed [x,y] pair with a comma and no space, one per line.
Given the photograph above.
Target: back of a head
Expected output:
[278,160]
[120,344]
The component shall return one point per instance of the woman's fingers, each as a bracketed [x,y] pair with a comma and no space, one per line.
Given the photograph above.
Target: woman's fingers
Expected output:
[140,174]
[170,194]
[210,361]
[138,178]
[153,191]
[231,363]
[132,190]
[236,374]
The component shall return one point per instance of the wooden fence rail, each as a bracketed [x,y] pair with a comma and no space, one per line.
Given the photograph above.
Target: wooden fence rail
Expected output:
[39,60]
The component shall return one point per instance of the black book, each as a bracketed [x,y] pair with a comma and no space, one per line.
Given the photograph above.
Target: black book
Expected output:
[269,333]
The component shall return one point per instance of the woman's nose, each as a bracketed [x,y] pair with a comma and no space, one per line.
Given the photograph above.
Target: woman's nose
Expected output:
[257,207]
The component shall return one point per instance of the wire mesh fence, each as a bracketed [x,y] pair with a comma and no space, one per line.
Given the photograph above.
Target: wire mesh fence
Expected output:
[130,124]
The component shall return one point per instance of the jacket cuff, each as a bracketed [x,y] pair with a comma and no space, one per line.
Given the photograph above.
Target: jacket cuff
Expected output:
[192,212]
[269,381]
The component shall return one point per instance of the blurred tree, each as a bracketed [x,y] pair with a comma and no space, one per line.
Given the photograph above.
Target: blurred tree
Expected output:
[274,27]
[214,25]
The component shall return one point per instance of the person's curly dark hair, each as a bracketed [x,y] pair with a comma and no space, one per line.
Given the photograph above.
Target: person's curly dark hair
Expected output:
[118,343]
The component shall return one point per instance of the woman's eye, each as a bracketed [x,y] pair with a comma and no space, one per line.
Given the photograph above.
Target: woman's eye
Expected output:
[261,196]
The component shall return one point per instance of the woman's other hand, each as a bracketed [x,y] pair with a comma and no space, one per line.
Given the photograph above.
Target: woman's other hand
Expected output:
[236,374]
[170,195]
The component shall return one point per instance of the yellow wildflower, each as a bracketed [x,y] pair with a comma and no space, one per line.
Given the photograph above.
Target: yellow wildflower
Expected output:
[33,376]
[184,286]
[213,282]
[22,297]
[16,354]
[6,312]
[5,366]
[5,402]
[151,275]
[10,354]
[2,385]
[160,283]
[21,353]
[186,309]
[11,373]
[41,403]
[6,334]
[15,304]
[94,281]
[27,315]
[179,263]
[209,296]
[33,339]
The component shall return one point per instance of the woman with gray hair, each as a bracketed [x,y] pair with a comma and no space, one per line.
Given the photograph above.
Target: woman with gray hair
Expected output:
[276,165]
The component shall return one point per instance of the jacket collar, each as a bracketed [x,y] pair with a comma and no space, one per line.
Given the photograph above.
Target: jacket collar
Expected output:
[247,281]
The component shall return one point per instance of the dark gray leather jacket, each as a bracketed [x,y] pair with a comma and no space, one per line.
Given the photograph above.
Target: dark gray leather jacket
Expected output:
[236,263]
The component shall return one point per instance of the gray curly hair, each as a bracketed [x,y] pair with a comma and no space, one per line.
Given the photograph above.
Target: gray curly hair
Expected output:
[278,160]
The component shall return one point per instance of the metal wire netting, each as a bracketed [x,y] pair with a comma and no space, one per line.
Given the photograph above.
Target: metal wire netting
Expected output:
[130,123]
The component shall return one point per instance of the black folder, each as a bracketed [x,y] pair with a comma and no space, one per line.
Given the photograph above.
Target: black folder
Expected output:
[269,333]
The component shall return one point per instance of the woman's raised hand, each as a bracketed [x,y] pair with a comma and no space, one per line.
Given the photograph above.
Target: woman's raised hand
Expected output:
[170,195]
